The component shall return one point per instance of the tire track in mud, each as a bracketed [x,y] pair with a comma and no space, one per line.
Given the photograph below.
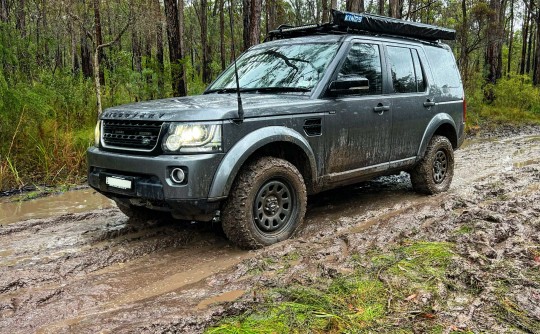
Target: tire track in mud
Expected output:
[97,271]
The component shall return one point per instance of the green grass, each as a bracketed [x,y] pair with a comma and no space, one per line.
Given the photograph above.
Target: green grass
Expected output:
[367,301]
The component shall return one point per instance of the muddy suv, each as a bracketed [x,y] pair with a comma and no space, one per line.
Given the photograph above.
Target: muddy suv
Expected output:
[323,106]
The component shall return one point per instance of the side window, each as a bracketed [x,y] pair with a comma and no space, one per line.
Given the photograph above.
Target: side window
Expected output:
[443,67]
[419,71]
[364,60]
[403,74]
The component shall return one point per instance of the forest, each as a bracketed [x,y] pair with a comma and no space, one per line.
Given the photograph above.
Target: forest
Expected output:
[63,61]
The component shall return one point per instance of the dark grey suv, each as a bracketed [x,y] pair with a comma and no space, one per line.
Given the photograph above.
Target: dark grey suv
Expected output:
[323,106]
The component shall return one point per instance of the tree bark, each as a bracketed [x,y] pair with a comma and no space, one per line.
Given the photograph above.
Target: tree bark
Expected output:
[356,6]
[4,13]
[395,8]
[86,57]
[530,46]
[325,11]
[206,52]
[525,33]
[536,67]
[20,22]
[464,44]
[252,22]
[98,38]
[381,7]
[495,41]
[511,38]
[175,50]
[159,49]
[222,33]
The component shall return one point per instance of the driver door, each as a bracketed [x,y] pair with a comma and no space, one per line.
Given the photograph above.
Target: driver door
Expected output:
[360,123]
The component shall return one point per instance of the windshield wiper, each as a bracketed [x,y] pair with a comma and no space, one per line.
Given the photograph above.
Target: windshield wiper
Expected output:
[259,90]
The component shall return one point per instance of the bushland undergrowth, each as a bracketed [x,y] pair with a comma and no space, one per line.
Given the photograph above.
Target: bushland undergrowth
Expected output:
[47,119]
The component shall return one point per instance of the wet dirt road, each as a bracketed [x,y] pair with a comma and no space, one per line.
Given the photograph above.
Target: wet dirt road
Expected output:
[93,270]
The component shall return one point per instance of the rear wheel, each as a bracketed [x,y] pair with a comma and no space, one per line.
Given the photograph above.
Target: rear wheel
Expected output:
[266,205]
[434,173]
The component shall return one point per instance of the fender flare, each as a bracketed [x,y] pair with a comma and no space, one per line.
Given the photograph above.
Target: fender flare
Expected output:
[432,127]
[243,149]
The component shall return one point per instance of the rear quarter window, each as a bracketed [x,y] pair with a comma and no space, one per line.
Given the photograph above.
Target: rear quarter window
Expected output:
[444,67]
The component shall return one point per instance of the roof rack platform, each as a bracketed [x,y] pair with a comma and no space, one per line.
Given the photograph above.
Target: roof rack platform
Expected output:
[362,23]
[391,26]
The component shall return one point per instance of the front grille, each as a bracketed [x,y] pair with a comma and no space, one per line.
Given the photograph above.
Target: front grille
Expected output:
[131,134]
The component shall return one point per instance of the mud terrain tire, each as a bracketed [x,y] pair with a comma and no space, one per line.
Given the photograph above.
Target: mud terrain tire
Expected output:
[434,173]
[266,204]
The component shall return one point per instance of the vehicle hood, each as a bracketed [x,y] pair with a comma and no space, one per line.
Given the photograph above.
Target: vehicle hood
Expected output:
[211,107]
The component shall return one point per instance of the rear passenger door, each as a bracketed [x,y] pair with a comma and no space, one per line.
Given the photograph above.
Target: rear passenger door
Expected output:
[412,107]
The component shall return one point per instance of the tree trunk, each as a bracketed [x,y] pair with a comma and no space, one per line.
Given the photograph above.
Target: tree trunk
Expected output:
[536,67]
[159,49]
[464,43]
[222,33]
[395,8]
[86,57]
[175,51]
[98,39]
[511,38]
[325,11]
[530,46]
[356,6]
[252,22]
[20,22]
[4,13]
[525,33]
[381,7]
[206,71]
[495,41]
[136,52]
[246,22]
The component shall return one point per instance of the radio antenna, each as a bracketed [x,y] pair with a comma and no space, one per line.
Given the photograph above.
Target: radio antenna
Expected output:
[240,118]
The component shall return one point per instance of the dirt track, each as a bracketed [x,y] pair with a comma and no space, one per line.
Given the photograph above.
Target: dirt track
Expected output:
[97,271]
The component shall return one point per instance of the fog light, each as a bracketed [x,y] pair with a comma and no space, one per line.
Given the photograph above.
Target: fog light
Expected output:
[178,175]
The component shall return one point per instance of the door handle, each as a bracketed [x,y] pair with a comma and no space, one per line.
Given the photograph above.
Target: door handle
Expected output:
[429,103]
[380,108]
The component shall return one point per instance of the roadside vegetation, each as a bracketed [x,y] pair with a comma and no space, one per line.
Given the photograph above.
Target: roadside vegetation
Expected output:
[49,87]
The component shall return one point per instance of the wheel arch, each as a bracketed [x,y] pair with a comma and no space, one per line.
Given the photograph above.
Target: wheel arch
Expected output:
[441,125]
[277,141]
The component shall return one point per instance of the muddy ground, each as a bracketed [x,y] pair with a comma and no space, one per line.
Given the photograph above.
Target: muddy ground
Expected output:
[97,271]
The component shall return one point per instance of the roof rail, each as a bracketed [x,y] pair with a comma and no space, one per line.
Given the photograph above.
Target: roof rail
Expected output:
[366,24]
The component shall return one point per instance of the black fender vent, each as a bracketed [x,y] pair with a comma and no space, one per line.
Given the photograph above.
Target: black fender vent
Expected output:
[313,127]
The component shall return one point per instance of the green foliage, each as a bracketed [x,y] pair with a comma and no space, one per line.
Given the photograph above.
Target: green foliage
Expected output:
[357,303]
[349,305]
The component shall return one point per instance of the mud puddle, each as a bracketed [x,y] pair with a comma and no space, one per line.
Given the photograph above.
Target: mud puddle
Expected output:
[94,270]
[68,202]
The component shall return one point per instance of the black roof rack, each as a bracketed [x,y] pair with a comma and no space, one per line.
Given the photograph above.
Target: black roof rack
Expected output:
[346,22]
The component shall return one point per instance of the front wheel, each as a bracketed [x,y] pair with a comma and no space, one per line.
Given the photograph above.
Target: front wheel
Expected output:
[266,205]
[434,173]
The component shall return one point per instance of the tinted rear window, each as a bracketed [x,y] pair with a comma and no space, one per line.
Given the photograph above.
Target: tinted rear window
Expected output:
[444,67]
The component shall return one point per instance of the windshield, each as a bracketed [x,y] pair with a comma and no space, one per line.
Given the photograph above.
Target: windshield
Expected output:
[293,67]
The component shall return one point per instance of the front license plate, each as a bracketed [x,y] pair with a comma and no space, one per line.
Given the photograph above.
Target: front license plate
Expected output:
[118,182]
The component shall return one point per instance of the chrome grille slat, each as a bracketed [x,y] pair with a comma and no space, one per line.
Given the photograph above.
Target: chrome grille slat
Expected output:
[131,134]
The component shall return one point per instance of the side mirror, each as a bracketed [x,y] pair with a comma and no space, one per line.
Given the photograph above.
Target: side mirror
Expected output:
[352,84]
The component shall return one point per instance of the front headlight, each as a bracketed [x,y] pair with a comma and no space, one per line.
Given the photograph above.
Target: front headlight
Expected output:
[97,133]
[192,138]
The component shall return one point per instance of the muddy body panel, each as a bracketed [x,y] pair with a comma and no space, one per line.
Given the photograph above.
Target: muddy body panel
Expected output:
[371,106]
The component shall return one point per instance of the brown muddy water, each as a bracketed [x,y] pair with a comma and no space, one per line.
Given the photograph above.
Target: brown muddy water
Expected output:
[74,263]
[69,202]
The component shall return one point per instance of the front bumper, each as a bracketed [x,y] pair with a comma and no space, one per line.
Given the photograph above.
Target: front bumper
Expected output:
[151,184]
